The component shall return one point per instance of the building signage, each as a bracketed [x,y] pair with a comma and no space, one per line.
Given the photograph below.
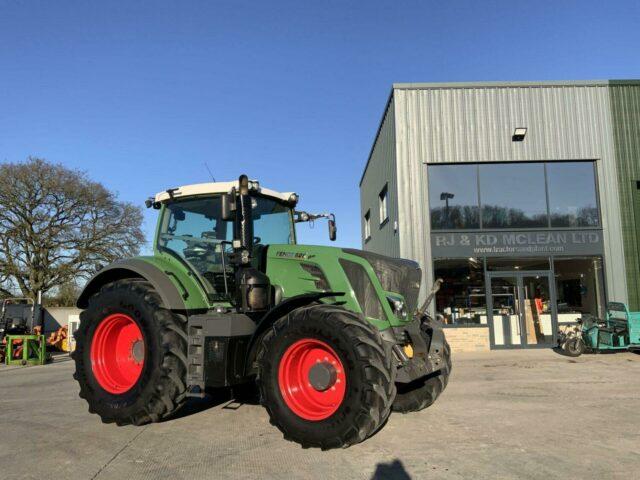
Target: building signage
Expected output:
[518,243]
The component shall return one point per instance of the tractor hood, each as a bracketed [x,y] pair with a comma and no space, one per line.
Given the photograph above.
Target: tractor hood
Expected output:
[367,281]
[395,275]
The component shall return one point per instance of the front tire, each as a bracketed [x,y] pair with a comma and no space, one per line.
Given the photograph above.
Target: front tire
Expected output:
[574,347]
[130,355]
[325,377]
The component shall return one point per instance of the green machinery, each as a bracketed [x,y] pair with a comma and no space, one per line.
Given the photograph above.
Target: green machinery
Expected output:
[25,350]
[620,330]
[18,343]
[331,338]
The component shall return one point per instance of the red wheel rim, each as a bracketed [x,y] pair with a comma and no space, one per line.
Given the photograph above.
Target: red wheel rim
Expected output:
[311,361]
[117,353]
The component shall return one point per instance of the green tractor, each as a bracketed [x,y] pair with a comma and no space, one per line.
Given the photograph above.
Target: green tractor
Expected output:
[332,337]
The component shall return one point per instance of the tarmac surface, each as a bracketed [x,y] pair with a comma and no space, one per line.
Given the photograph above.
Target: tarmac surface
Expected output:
[505,414]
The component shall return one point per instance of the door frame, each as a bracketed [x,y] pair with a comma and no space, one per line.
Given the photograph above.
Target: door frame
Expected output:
[519,275]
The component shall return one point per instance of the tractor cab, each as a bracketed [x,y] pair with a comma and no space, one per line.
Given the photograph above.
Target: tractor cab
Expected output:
[193,229]
[198,225]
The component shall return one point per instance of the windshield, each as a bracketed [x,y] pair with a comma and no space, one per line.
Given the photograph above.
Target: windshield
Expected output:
[272,222]
[193,230]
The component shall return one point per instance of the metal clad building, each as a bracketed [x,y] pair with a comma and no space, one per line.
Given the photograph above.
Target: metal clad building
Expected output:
[382,172]
[448,181]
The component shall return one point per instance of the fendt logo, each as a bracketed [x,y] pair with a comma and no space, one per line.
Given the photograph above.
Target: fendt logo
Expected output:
[296,255]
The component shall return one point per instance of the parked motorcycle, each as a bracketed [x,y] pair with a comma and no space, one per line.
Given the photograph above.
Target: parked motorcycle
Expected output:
[570,339]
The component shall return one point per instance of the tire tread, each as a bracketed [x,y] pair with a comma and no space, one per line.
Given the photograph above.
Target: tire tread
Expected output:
[169,394]
[372,357]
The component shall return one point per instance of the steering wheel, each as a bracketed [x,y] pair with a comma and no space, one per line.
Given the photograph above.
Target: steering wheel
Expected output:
[256,240]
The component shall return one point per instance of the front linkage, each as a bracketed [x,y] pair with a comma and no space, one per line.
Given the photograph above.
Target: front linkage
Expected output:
[424,362]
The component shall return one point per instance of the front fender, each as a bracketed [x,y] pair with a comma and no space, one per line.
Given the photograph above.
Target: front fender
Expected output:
[279,311]
[173,291]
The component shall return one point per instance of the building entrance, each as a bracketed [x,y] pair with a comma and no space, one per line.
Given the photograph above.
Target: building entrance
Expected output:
[521,309]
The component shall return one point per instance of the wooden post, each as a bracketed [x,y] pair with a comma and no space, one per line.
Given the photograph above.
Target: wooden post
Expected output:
[529,321]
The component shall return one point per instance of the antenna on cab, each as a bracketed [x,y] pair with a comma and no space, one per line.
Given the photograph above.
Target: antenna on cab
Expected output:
[206,165]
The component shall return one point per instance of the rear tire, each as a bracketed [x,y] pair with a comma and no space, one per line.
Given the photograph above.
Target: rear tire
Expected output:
[423,392]
[151,388]
[574,347]
[356,399]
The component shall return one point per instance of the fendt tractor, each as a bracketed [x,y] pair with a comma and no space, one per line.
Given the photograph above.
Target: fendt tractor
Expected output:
[332,338]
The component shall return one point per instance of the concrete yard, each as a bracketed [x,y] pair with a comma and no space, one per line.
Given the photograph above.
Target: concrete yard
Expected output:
[505,414]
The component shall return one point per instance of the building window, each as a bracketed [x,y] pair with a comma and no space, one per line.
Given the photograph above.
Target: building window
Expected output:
[572,194]
[461,299]
[383,200]
[513,195]
[367,225]
[453,197]
[579,287]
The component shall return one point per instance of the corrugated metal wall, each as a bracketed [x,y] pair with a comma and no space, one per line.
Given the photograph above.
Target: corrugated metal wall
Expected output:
[625,104]
[381,170]
[475,124]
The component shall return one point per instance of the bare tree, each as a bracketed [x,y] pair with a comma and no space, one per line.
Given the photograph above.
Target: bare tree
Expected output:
[57,226]
[63,296]
[5,286]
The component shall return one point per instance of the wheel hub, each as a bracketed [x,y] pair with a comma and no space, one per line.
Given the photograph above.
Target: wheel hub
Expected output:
[137,351]
[117,353]
[322,376]
[312,379]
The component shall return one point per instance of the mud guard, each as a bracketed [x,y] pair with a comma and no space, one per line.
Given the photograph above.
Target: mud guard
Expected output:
[134,268]
[277,312]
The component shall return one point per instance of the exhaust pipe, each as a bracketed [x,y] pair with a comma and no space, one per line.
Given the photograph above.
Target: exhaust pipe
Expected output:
[245,223]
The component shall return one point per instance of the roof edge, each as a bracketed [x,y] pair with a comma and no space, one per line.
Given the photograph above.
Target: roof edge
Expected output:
[515,84]
[492,84]
[375,138]
[625,82]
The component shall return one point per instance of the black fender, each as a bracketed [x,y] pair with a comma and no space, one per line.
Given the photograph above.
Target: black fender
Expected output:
[134,268]
[274,314]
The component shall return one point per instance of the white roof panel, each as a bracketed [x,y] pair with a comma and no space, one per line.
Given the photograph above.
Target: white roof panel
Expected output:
[212,188]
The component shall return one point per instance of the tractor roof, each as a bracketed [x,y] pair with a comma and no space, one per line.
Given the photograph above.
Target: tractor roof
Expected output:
[213,188]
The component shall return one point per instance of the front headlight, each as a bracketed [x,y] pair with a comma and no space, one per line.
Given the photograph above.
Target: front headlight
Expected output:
[398,307]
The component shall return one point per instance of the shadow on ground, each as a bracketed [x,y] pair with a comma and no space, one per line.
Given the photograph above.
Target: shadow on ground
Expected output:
[391,471]
[562,353]
[197,405]
[233,398]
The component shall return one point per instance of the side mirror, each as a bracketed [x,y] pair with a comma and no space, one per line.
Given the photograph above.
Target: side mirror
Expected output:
[227,205]
[332,228]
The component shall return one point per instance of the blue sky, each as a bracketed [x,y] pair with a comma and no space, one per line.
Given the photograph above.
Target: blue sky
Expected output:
[141,94]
